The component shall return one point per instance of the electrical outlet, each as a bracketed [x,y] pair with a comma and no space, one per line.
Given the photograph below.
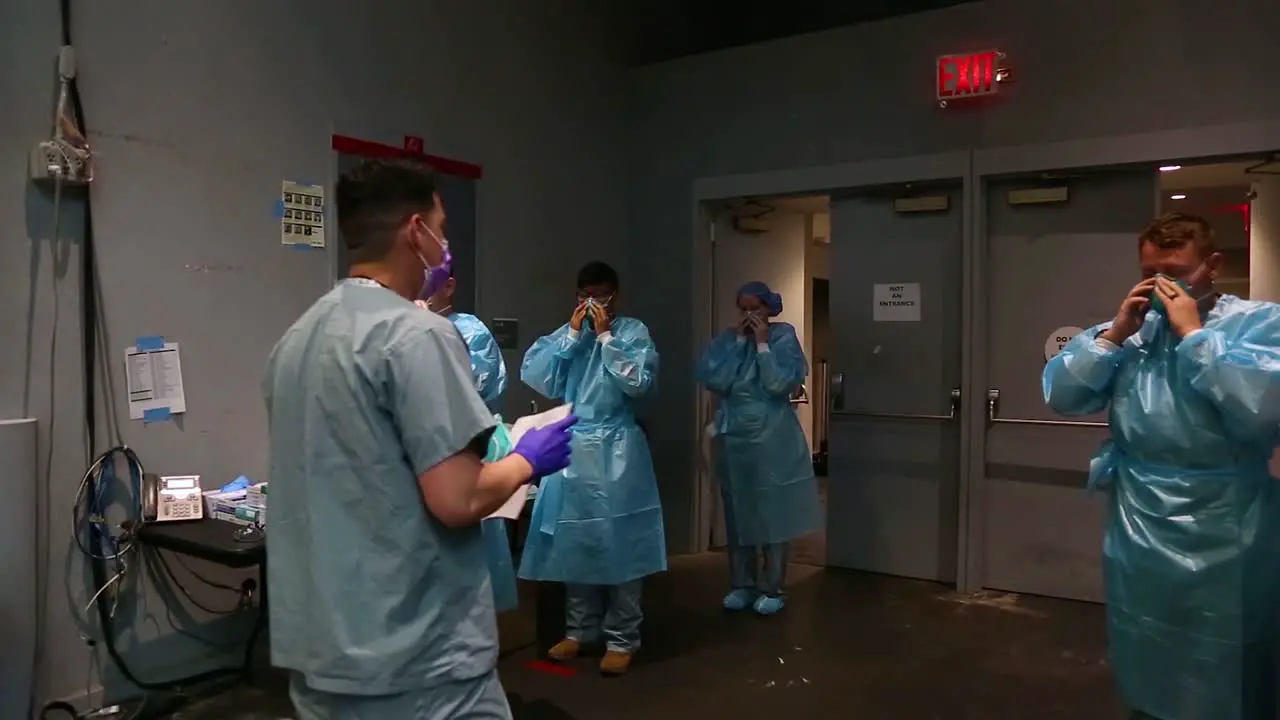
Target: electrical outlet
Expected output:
[46,162]
[52,160]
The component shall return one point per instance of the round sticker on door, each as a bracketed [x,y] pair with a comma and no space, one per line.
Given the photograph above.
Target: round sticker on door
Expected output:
[1058,339]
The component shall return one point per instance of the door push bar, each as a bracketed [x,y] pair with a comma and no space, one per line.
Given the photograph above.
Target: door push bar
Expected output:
[837,405]
[993,416]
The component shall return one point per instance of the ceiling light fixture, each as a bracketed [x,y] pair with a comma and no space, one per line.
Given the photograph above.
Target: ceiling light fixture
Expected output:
[1170,168]
[1178,197]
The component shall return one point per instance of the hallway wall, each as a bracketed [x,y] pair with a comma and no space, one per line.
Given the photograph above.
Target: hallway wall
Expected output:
[197,112]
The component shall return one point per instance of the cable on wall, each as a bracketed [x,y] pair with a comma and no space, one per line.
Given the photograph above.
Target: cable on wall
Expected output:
[104,549]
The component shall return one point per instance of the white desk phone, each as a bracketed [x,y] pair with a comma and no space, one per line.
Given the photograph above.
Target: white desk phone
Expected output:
[172,497]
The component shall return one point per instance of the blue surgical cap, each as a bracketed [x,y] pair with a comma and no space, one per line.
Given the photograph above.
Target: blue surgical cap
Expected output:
[771,300]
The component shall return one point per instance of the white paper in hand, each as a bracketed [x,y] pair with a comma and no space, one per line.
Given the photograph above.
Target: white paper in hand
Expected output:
[511,509]
[542,419]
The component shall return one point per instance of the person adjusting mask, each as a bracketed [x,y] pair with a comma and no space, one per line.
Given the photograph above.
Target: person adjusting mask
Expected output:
[762,459]
[381,600]
[1191,380]
[490,373]
[597,526]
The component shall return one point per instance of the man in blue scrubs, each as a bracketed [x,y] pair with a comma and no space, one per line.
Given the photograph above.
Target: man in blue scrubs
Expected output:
[380,599]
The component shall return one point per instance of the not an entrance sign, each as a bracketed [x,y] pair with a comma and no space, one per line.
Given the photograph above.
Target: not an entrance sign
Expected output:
[896,302]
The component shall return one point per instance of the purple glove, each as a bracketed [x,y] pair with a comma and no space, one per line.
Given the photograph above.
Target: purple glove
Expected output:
[547,448]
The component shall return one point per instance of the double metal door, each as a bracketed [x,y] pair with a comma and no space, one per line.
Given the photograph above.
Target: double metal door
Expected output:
[896,377]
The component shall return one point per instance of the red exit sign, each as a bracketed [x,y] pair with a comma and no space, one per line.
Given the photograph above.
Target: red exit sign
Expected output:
[968,75]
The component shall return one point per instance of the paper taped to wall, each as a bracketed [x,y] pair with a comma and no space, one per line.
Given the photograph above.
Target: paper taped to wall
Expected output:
[515,505]
[301,209]
[153,377]
[895,302]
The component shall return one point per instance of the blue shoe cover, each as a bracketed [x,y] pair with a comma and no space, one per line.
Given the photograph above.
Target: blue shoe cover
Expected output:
[769,605]
[739,599]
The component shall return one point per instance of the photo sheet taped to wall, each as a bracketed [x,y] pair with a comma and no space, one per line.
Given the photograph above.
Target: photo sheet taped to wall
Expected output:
[301,210]
[153,376]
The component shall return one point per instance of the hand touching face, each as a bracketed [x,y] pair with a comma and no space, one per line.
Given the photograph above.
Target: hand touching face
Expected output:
[579,314]
[600,319]
[1183,310]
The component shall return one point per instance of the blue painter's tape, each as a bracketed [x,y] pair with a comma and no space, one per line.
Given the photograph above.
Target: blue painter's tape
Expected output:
[149,343]
[155,415]
[279,209]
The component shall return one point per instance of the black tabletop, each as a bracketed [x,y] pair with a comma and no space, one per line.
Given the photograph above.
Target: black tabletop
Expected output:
[207,539]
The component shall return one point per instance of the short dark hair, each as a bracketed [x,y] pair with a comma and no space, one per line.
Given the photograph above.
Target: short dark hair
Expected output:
[1175,231]
[597,273]
[375,197]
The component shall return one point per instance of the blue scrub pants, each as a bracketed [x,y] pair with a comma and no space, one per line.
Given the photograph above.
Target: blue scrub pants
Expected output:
[480,698]
[745,567]
[611,610]
[745,560]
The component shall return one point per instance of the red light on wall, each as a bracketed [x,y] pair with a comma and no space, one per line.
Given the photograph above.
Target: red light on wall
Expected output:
[969,75]
[1243,209]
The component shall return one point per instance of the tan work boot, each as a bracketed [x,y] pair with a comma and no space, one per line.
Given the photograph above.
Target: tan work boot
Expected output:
[566,649]
[615,662]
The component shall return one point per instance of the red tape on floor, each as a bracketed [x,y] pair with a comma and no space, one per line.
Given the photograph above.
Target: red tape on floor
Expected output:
[550,668]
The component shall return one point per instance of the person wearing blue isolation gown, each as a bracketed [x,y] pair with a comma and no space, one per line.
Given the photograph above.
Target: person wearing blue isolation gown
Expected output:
[1191,380]
[762,459]
[490,373]
[597,526]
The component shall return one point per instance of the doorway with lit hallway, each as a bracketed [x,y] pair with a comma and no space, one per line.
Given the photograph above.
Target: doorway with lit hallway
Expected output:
[782,242]
[878,270]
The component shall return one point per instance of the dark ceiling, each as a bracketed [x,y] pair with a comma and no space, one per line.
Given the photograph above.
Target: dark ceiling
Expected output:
[668,29]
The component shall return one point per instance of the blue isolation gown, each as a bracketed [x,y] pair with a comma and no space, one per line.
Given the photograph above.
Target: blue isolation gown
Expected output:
[764,464]
[598,522]
[490,373]
[486,358]
[1192,541]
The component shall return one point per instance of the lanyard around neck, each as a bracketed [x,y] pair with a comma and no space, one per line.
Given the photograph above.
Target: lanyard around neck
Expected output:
[365,282]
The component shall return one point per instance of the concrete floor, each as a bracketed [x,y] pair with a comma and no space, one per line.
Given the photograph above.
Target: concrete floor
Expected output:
[849,645]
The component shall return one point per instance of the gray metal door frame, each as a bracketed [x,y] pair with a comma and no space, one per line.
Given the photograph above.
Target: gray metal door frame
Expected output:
[820,180]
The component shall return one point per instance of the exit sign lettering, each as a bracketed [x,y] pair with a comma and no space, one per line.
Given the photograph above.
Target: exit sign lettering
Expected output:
[967,75]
